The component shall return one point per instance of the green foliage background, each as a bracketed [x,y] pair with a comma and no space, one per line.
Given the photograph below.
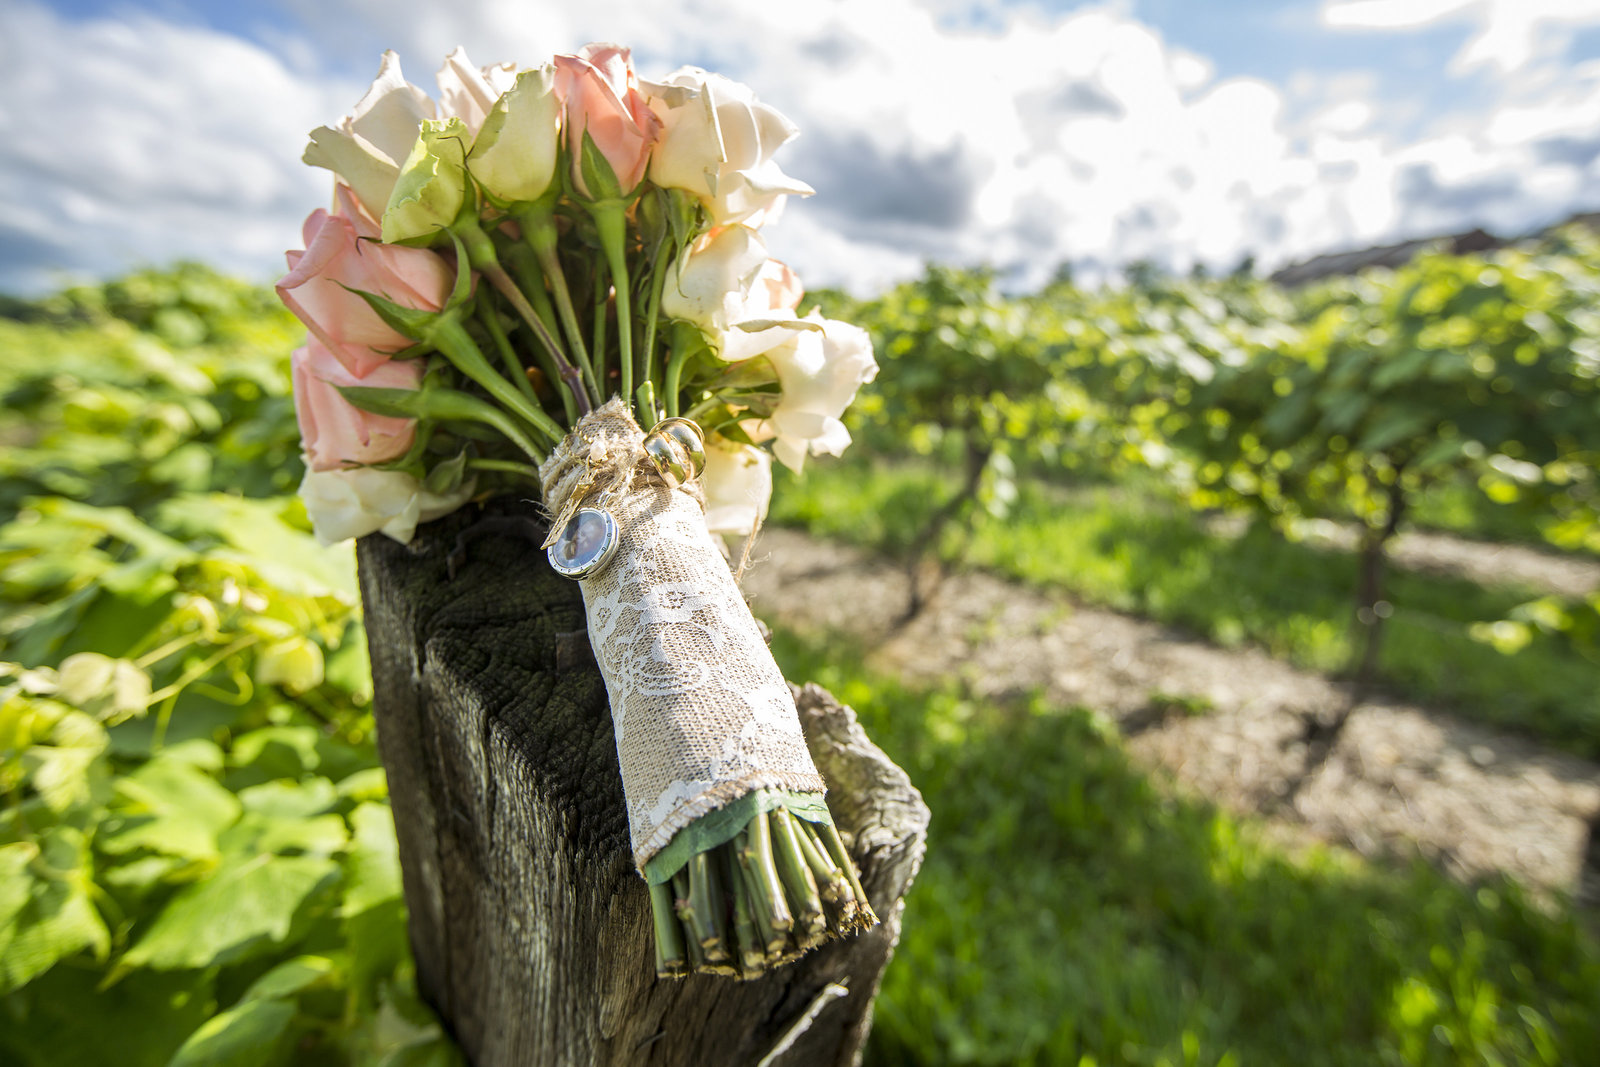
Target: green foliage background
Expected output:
[197,858]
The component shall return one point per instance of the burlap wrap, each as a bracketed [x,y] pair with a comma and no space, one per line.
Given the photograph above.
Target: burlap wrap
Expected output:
[701,713]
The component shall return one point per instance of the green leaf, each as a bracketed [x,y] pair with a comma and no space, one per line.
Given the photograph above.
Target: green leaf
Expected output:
[170,807]
[45,910]
[430,403]
[369,783]
[287,799]
[373,868]
[243,1036]
[241,912]
[321,835]
[293,663]
[276,752]
[347,668]
[66,768]
[1394,427]
[290,977]
[599,180]
[392,403]
[1402,368]
[289,559]
[62,1019]
[438,1051]
[417,324]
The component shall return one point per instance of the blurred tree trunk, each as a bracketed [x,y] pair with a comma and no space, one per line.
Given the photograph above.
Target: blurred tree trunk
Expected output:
[530,926]
[926,569]
[1372,605]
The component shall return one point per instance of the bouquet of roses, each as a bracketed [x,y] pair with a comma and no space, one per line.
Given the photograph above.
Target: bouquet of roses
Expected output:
[514,282]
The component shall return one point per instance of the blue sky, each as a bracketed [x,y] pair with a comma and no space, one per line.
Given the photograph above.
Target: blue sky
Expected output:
[1021,134]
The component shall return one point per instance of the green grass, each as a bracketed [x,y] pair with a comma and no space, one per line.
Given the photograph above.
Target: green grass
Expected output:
[1071,910]
[1459,507]
[1136,552]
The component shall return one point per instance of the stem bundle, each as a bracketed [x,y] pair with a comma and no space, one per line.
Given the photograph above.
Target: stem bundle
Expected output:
[779,888]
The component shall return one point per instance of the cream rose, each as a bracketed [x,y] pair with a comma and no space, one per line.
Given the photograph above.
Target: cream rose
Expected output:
[717,142]
[738,485]
[469,92]
[514,155]
[353,503]
[368,145]
[730,289]
[820,369]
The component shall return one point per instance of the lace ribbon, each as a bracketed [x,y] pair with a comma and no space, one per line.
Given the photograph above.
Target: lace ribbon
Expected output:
[700,711]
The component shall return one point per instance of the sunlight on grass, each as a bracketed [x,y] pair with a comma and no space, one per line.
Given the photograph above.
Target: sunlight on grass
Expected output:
[1071,907]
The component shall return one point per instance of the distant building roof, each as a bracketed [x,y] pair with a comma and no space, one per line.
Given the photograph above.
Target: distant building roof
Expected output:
[1335,264]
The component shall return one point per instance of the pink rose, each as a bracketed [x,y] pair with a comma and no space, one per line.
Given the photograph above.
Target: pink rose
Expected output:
[600,93]
[339,254]
[336,433]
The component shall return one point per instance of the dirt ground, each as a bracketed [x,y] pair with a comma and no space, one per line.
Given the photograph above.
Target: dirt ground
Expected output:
[1233,725]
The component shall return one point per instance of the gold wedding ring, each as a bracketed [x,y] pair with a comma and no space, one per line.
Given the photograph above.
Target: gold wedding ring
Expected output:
[677,450]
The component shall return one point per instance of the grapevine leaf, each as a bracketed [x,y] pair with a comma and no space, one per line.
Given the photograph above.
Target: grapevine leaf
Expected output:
[243,1036]
[45,910]
[169,807]
[243,911]
[373,876]
[62,1018]
[290,977]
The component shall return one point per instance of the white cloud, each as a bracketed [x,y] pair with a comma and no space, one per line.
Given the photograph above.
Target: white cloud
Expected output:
[1391,14]
[1509,35]
[141,141]
[1021,140]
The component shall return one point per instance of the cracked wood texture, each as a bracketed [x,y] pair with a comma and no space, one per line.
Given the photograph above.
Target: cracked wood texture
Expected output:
[530,926]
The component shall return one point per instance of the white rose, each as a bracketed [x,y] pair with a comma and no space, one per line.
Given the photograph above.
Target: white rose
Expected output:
[717,142]
[738,485]
[514,155]
[727,281]
[819,370]
[353,503]
[469,92]
[369,144]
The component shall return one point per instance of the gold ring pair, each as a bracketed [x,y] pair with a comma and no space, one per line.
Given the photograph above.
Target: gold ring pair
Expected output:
[677,450]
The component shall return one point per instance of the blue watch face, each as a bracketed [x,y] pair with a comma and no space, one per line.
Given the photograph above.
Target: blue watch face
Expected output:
[585,544]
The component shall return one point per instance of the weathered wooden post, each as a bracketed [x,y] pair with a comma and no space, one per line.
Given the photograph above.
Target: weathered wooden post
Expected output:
[531,928]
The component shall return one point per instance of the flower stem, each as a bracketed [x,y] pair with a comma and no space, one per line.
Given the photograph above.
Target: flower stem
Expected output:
[709,902]
[810,924]
[481,254]
[831,883]
[547,363]
[658,282]
[200,671]
[841,856]
[599,335]
[670,385]
[682,904]
[612,225]
[670,956]
[462,351]
[752,954]
[539,230]
[504,466]
[771,899]
[514,368]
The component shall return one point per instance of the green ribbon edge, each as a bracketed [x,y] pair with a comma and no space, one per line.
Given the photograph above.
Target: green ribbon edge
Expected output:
[723,825]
